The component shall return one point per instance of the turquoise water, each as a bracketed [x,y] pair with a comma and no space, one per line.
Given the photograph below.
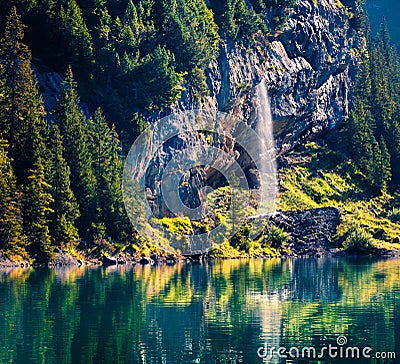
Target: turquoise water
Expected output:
[221,312]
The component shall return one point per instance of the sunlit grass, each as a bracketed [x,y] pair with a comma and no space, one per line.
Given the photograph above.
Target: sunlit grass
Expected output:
[319,177]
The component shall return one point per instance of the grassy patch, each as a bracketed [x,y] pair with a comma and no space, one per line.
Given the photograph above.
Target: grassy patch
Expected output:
[316,176]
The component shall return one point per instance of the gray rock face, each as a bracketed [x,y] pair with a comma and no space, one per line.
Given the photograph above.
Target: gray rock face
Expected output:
[307,68]
[311,232]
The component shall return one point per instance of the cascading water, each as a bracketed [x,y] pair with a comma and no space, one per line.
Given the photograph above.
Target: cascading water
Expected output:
[267,168]
[264,126]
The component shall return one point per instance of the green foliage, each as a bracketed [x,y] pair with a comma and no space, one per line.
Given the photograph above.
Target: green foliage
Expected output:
[189,32]
[37,210]
[358,240]
[160,83]
[177,225]
[11,234]
[21,108]
[276,237]
[75,36]
[64,206]
[74,129]
[241,239]
[319,176]
[107,168]
[236,19]
[373,131]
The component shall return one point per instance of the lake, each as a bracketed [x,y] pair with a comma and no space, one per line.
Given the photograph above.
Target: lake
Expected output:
[232,311]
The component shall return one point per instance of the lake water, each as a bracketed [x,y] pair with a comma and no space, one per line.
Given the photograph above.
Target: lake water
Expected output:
[220,312]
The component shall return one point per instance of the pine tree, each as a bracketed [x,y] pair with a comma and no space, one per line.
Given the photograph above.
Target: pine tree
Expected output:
[383,172]
[37,201]
[157,82]
[246,19]
[74,129]
[11,233]
[363,145]
[77,41]
[65,208]
[384,37]
[190,33]
[385,100]
[107,168]
[21,108]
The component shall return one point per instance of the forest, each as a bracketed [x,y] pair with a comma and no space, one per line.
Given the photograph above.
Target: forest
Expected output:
[123,61]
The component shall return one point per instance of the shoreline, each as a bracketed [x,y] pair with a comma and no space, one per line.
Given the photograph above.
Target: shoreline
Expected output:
[310,233]
[126,260]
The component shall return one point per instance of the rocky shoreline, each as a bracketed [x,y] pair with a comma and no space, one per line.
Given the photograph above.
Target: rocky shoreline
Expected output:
[311,234]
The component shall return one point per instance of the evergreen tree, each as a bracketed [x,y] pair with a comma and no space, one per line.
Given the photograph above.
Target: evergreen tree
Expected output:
[363,145]
[75,130]
[157,82]
[76,39]
[37,201]
[385,98]
[65,208]
[373,126]
[107,168]
[11,235]
[383,170]
[189,32]
[21,108]
[104,50]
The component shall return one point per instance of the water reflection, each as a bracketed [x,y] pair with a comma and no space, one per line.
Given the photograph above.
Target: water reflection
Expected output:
[220,312]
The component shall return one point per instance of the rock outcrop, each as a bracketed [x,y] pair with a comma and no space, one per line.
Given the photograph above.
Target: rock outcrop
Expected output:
[311,232]
[307,67]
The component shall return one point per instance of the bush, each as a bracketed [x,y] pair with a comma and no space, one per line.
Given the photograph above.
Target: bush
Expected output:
[241,240]
[177,225]
[276,237]
[394,215]
[358,240]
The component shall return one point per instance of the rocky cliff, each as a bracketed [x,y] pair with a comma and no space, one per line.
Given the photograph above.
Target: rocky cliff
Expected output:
[307,66]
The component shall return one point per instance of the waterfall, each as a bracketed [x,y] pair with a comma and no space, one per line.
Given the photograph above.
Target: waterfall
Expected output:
[264,127]
[267,168]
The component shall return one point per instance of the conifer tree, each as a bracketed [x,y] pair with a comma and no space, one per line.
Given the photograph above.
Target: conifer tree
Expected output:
[21,108]
[77,41]
[383,170]
[65,208]
[37,201]
[107,168]
[74,129]
[363,145]
[11,233]
[157,82]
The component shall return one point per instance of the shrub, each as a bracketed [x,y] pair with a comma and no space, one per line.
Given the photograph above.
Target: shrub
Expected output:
[241,240]
[394,215]
[177,225]
[358,240]
[276,237]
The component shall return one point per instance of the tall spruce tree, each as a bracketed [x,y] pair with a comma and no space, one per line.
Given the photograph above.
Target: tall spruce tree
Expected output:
[64,206]
[74,129]
[107,168]
[385,98]
[383,170]
[37,201]
[11,232]
[76,38]
[21,108]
